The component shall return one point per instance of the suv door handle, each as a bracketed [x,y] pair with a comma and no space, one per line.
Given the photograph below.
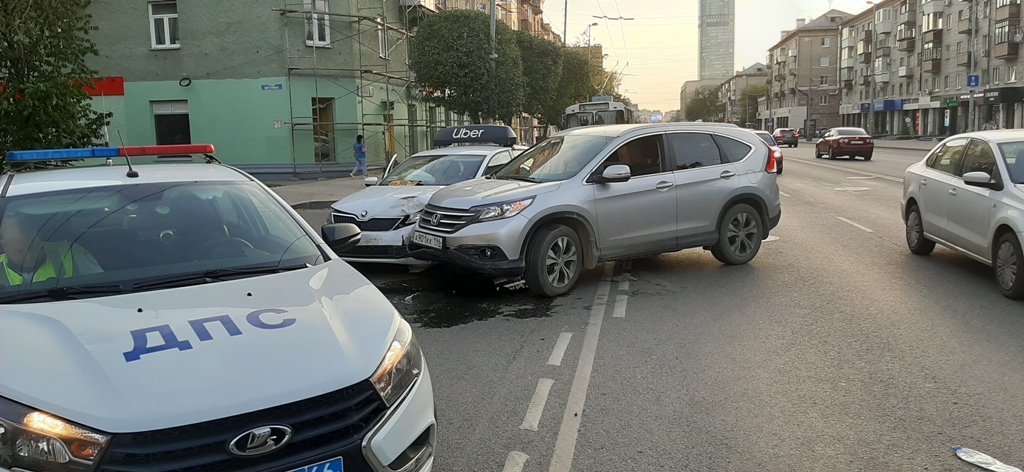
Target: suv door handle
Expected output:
[664,185]
[727,174]
[952,192]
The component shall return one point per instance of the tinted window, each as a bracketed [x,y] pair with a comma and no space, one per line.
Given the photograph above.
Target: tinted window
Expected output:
[767,138]
[1013,155]
[948,158]
[851,132]
[555,159]
[642,155]
[979,158]
[733,150]
[694,150]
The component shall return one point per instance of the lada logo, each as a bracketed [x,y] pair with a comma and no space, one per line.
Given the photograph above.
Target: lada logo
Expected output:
[260,440]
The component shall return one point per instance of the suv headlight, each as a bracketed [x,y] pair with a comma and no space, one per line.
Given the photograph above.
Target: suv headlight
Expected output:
[503,210]
[401,366]
[34,440]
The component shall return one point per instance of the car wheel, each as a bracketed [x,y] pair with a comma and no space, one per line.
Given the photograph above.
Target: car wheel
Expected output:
[1007,265]
[831,153]
[796,145]
[739,236]
[867,157]
[916,240]
[817,153]
[553,261]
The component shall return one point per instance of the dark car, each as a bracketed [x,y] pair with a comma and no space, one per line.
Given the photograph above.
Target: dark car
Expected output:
[786,137]
[849,142]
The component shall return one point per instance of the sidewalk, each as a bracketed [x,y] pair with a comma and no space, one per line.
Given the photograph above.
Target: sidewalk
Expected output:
[316,194]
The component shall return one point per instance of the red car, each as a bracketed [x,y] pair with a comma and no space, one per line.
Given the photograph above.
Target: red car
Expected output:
[849,142]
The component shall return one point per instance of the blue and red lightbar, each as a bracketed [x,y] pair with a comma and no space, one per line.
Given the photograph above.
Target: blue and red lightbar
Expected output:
[92,153]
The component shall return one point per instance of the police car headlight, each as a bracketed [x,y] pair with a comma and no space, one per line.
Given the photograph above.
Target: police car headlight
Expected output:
[504,210]
[401,366]
[33,440]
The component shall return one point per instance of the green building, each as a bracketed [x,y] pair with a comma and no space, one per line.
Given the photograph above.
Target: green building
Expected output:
[280,87]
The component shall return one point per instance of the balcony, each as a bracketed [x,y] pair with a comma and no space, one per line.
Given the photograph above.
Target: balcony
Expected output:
[849,42]
[906,72]
[931,65]
[866,35]
[1008,12]
[904,34]
[883,27]
[792,71]
[963,26]
[933,36]
[865,80]
[1006,50]
[847,63]
[907,45]
[908,17]
[864,58]
[963,59]
[779,76]
[884,51]
[882,77]
[933,6]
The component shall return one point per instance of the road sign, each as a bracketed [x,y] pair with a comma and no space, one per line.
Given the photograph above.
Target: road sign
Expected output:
[973,81]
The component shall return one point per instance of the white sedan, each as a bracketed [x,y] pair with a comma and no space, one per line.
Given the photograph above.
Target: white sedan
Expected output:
[968,194]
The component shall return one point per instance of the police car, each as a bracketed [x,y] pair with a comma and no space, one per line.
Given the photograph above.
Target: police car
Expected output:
[388,210]
[182,316]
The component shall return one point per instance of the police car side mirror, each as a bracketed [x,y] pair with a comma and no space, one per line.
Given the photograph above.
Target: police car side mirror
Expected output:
[340,236]
[371,181]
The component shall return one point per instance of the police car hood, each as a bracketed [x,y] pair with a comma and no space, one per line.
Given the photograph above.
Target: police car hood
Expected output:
[482,191]
[121,364]
[385,201]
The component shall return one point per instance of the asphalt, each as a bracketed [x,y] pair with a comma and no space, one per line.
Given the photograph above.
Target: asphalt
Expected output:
[306,194]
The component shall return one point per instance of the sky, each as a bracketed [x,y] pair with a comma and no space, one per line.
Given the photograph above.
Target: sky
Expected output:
[657,50]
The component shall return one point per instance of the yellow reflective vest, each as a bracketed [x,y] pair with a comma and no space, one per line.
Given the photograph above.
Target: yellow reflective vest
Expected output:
[60,252]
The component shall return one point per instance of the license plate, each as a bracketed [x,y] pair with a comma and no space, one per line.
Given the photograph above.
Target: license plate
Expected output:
[856,142]
[333,465]
[435,242]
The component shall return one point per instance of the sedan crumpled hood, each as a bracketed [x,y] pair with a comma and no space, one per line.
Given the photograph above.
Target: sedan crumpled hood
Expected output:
[471,193]
[253,343]
[385,201]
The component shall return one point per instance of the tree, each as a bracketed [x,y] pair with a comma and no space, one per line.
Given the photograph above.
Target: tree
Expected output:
[748,101]
[574,86]
[705,105]
[451,59]
[542,70]
[43,105]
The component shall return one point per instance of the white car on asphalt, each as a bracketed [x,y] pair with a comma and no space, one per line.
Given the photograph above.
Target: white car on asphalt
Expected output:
[968,194]
[184,317]
[388,209]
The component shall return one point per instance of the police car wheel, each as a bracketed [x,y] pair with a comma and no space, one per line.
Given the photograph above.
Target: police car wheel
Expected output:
[223,247]
[554,261]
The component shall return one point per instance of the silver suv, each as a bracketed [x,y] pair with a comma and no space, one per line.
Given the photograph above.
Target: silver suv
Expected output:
[594,194]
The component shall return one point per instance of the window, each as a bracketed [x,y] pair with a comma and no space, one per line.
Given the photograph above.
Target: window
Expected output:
[995,75]
[1011,73]
[959,47]
[945,80]
[823,80]
[959,81]
[1003,3]
[823,100]
[824,61]
[825,42]
[694,150]
[318,32]
[949,21]
[732,150]
[497,161]
[1002,33]
[642,155]
[979,158]
[163,24]
[948,158]
[172,124]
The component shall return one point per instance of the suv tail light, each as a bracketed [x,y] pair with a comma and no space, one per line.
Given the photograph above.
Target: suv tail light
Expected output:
[772,164]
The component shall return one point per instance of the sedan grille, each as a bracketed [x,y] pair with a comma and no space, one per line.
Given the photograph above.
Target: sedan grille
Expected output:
[372,224]
[445,220]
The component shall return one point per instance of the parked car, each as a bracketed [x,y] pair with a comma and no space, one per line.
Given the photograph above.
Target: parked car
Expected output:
[849,142]
[786,137]
[601,193]
[968,194]
[387,211]
[776,150]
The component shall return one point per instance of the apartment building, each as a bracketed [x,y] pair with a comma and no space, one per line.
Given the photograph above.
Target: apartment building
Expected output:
[731,92]
[802,86]
[905,66]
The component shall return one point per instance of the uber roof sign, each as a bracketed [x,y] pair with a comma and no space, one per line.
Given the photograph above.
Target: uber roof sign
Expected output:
[476,134]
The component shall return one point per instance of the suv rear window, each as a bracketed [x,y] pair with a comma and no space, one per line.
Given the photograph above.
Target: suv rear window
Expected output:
[733,150]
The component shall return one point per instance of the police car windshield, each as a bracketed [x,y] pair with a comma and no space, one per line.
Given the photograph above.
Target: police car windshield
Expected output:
[555,159]
[440,169]
[131,235]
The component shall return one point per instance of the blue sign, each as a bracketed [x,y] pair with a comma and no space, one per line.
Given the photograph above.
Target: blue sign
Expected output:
[865,107]
[973,81]
[273,87]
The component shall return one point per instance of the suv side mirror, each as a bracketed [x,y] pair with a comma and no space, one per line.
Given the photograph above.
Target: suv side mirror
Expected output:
[982,179]
[614,173]
[340,236]
[371,181]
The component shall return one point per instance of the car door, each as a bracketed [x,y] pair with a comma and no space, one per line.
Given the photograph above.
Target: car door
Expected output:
[970,210]
[936,186]
[822,145]
[638,215]
[705,178]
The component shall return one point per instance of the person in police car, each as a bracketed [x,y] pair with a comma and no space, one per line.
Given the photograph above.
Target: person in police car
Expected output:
[26,257]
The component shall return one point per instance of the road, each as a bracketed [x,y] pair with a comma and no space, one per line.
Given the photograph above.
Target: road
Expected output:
[835,349]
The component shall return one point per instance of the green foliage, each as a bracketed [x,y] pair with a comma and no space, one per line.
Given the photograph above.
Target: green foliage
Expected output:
[748,101]
[450,57]
[705,105]
[542,68]
[574,85]
[43,46]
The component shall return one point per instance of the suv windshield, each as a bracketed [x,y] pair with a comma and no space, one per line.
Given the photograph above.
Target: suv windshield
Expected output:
[555,159]
[117,239]
[1013,156]
[439,169]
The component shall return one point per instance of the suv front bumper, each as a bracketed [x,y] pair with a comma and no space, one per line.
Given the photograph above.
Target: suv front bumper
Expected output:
[492,248]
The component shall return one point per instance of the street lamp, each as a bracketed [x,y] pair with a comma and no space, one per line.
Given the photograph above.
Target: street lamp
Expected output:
[589,49]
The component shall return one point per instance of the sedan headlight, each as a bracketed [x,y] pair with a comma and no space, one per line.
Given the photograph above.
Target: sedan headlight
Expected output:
[411,219]
[34,440]
[503,210]
[401,366]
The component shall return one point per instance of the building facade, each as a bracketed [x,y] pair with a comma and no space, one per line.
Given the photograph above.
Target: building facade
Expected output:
[802,86]
[906,64]
[734,94]
[716,24]
[691,87]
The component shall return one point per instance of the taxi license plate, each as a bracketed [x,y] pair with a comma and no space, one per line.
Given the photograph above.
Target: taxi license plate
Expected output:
[435,242]
[856,142]
[333,465]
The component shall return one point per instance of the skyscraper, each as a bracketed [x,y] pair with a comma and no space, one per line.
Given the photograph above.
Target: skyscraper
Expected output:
[716,26]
